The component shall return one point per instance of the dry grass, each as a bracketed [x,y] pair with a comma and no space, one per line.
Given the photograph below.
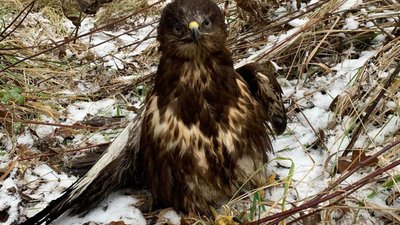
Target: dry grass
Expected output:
[33,88]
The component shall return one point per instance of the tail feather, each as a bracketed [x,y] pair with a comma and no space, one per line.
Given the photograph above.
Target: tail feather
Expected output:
[114,169]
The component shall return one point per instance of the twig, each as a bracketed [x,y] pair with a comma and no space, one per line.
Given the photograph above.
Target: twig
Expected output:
[389,35]
[140,42]
[29,7]
[126,32]
[369,110]
[67,151]
[73,126]
[9,169]
[68,40]
[353,187]
[274,219]
[286,19]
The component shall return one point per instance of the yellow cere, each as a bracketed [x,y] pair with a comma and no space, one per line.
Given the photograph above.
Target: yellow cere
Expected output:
[193,24]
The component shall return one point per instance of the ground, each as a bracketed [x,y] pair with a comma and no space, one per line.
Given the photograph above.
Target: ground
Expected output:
[337,64]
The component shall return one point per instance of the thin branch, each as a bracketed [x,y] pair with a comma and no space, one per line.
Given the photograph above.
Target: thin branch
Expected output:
[68,40]
[323,196]
[29,8]
[369,109]
[73,126]
[67,151]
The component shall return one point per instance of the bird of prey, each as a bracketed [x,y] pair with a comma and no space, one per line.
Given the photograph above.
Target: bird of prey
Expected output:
[202,131]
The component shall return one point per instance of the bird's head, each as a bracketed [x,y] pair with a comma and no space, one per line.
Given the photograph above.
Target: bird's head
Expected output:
[191,28]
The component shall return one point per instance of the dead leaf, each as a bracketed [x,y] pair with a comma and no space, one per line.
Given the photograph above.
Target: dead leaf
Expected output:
[358,155]
[312,219]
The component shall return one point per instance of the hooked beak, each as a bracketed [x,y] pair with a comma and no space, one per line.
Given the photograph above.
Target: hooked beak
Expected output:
[194,28]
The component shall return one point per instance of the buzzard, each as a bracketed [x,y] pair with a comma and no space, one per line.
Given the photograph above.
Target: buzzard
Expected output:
[202,132]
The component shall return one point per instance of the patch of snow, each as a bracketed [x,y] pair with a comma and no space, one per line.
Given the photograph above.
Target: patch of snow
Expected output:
[351,23]
[116,207]
[86,87]
[97,138]
[44,184]
[9,200]
[5,143]
[106,43]
[172,217]
[67,92]
[392,105]
[45,130]
[317,117]
[298,22]
[78,110]
[114,62]
[369,24]
[273,41]
[379,39]
[390,128]
[322,101]
[281,10]
[25,139]
[350,67]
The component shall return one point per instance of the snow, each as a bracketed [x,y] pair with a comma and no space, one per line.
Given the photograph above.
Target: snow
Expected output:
[312,166]
[172,217]
[46,185]
[298,22]
[10,201]
[350,67]
[109,50]
[25,139]
[86,87]
[273,41]
[117,207]
[79,110]
[44,130]
[378,134]
[351,23]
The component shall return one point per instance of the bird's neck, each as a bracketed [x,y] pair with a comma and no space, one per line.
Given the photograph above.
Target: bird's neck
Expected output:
[197,91]
[199,74]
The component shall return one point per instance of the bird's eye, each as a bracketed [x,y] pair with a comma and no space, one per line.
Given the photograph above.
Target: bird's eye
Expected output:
[178,30]
[207,23]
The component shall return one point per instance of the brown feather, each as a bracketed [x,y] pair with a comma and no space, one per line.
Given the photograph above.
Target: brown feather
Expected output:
[202,132]
[266,89]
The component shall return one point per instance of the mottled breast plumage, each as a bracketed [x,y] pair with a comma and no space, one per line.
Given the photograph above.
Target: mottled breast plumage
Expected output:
[204,130]
[199,141]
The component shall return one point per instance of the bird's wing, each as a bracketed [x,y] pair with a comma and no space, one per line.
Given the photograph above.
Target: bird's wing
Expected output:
[115,167]
[266,89]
